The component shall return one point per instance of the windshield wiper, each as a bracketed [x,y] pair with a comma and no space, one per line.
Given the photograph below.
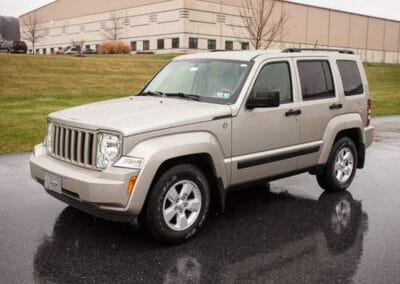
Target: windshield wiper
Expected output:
[184,96]
[154,94]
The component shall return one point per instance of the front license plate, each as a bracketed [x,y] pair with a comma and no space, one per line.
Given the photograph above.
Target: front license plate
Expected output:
[52,182]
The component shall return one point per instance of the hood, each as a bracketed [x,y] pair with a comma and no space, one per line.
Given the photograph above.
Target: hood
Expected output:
[135,115]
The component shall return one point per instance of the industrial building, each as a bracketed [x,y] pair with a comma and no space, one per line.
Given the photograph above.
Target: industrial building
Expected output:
[200,25]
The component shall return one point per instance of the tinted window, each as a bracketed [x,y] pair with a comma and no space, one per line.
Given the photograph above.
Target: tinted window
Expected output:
[160,44]
[316,79]
[351,78]
[275,77]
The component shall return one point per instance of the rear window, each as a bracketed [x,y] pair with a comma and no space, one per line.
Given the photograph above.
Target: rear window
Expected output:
[316,79]
[351,78]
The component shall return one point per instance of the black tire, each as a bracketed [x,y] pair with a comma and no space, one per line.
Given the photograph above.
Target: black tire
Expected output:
[153,218]
[328,180]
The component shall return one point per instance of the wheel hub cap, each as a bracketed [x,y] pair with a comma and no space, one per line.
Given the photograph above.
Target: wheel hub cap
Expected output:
[344,164]
[182,204]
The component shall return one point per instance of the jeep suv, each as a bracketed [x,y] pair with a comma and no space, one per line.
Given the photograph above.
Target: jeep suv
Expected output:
[204,124]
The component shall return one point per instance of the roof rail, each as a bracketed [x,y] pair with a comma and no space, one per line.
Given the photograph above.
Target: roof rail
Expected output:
[344,51]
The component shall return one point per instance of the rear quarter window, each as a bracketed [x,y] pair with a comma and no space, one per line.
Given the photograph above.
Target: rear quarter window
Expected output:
[351,78]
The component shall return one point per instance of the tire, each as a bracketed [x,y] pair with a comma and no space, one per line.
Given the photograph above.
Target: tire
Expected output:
[175,220]
[339,171]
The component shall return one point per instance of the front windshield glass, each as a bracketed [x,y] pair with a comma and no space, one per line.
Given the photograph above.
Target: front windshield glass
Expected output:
[217,81]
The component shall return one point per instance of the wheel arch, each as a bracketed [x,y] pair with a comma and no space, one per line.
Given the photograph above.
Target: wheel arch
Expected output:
[200,149]
[348,125]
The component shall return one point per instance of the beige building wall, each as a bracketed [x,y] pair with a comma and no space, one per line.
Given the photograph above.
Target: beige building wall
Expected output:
[374,39]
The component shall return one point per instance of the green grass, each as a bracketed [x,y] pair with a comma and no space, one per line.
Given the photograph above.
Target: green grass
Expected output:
[384,85]
[33,86]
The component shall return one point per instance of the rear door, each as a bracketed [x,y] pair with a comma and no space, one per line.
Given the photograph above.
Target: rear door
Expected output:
[320,103]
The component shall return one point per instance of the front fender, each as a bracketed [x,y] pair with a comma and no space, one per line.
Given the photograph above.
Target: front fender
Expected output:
[157,150]
[337,124]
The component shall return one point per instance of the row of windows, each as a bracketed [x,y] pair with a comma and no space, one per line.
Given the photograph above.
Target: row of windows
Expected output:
[315,78]
[193,44]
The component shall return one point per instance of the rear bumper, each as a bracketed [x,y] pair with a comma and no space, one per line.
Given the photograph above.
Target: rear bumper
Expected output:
[369,135]
[103,194]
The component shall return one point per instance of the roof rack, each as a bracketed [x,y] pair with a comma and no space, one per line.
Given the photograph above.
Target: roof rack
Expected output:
[343,51]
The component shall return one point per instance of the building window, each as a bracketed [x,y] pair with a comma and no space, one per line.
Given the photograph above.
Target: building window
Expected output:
[97,47]
[30,50]
[87,46]
[193,43]
[229,45]
[59,48]
[37,51]
[51,50]
[212,44]
[175,42]
[160,44]
[316,79]
[44,50]
[245,46]
[133,45]
[146,45]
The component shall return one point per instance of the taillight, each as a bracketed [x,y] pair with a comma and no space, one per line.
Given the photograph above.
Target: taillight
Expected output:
[369,109]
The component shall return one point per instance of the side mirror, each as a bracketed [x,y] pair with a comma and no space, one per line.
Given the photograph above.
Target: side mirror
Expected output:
[264,99]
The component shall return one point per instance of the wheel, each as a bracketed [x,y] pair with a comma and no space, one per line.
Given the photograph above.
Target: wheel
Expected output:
[178,204]
[341,166]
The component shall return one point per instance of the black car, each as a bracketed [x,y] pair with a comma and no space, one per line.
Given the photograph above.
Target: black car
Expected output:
[13,47]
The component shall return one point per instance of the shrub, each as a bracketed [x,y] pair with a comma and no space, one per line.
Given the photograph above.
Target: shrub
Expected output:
[114,47]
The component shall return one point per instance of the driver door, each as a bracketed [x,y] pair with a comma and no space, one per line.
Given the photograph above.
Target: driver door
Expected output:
[263,138]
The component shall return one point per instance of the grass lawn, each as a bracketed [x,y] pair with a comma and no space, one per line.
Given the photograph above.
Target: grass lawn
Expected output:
[33,86]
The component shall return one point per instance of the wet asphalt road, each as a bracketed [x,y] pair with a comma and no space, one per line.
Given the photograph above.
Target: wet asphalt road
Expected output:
[292,233]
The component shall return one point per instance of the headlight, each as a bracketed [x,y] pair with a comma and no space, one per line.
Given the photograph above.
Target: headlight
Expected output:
[129,163]
[108,149]
[48,142]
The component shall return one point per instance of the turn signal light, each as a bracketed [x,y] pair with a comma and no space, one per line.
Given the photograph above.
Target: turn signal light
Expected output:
[131,184]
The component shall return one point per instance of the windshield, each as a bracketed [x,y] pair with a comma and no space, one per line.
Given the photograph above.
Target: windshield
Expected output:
[218,81]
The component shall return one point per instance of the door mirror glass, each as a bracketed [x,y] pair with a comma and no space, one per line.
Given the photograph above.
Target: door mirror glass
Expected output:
[264,99]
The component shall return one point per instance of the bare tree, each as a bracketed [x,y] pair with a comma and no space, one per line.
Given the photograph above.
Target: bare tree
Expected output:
[33,30]
[261,22]
[113,32]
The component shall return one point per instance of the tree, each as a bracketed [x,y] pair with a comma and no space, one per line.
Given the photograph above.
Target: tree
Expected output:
[33,30]
[113,32]
[261,23]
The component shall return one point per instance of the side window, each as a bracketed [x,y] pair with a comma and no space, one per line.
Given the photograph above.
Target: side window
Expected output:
[351,78]
[275,77]
[316,79]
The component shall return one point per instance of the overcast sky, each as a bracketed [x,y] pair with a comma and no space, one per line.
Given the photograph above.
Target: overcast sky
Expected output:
[379,8]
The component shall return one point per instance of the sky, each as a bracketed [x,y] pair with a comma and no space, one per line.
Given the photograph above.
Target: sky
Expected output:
[379,8]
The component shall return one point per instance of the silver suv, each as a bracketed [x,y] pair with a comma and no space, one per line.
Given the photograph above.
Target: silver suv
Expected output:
[204,124]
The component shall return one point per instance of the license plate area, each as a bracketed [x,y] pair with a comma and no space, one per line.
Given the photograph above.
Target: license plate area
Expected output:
[52,182]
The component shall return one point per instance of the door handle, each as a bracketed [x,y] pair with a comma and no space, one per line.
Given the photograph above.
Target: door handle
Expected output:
[293,112]
[336,106]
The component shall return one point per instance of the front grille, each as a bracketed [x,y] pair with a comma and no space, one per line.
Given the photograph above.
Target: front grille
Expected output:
[76,146]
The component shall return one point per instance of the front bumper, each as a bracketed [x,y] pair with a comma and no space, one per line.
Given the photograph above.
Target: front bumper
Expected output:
[100,193]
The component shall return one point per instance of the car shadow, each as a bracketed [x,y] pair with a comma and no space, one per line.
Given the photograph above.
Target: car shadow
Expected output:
[262,236]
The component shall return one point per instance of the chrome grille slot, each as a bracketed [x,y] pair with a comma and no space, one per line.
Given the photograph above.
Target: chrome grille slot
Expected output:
[76,146]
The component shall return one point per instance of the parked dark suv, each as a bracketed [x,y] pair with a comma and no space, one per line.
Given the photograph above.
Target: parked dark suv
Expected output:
[13,47]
